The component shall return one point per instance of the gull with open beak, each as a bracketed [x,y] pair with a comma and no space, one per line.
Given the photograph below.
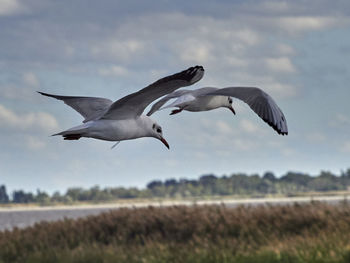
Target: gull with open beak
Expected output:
[123,119]
[209,98]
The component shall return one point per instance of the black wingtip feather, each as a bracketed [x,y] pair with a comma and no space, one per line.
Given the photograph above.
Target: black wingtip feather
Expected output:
[46,94]
[274,126]
[191,72]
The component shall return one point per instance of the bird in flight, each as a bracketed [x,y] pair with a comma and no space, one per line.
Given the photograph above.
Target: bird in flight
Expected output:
[209,98]
[123,119]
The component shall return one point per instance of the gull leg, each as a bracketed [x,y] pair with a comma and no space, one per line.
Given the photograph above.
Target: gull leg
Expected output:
[114,145]
[71,136]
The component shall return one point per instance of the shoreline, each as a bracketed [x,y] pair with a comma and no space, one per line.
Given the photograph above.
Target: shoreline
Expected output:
[165,203]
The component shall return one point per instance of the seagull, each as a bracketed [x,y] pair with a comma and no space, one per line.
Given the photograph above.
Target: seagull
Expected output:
[209,98]
[123,119]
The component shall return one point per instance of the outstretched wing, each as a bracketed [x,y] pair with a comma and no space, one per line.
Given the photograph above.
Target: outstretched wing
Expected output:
[261,103]
[90,108]
[176,94]
[134,104]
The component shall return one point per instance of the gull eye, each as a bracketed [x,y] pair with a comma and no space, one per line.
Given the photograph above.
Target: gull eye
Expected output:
[159,130]
[230,100]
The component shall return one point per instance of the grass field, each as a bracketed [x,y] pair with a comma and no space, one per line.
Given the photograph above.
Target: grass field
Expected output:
[313,232]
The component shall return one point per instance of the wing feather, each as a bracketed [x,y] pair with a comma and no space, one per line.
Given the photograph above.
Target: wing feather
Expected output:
[134,104]
[90,108]
[261,103]
[156,106]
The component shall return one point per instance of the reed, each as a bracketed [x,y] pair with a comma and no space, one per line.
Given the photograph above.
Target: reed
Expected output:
[313,232]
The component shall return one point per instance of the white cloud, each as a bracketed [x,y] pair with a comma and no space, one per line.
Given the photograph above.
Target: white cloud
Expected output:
[34,143]
[39,121]
[118,49]
[285,49]
[17,92]
[288,152]
[298,24]
[21,87]
[195,52]
[316,137]
[275,6]
[248,126]
[248,37]
[222,136]
[339,120]
[237,62]
[345,147]
[224,128]
[30,79]
[281,65]
[245,145]
[113,70]
[10,7]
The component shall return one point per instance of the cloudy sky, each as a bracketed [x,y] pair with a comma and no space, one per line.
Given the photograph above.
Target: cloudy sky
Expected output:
[297,51]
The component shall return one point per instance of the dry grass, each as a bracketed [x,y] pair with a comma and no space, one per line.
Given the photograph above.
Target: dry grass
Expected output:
[296,233]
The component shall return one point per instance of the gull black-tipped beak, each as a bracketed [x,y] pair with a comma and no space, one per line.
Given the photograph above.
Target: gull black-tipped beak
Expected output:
[165,142]
[232,109]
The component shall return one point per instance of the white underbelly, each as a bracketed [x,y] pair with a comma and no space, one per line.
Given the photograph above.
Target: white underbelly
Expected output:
[204,103]
[115,130]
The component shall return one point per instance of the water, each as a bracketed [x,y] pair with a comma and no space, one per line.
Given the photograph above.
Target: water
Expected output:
[25,218]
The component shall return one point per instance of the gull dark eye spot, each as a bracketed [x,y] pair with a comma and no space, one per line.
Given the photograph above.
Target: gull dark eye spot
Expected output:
[154,126]
[159,130]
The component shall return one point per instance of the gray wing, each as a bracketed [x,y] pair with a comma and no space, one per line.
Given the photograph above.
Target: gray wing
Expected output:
[134,104]
[90,108]
[261,103]
[156,106]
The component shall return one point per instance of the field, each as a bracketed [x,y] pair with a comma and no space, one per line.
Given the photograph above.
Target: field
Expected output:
[313,232]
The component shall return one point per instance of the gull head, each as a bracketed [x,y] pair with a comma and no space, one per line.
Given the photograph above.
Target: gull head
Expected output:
[228,104]
[158,134]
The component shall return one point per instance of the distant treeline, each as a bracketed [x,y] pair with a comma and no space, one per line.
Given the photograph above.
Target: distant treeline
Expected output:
[207,185]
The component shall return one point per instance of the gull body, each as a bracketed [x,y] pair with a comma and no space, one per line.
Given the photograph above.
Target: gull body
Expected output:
[123,119]
[209,98]
[115,130]
[195,101]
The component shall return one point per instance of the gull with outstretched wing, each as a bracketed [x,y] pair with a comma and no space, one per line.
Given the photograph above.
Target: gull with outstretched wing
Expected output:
[123,119]
[209,98]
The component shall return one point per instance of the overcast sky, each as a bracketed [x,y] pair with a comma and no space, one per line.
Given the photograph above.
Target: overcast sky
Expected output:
[297,51]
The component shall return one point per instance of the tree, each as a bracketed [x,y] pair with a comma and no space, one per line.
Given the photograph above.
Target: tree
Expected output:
[21,197]
[170,182]
[269,176]
[207,179]
[296,178]
[154,184]
[4,198]
[42,197]
[56,197]
[75,193]
[326,181]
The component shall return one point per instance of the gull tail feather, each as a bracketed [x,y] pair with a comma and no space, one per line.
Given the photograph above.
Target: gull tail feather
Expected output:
[74,133]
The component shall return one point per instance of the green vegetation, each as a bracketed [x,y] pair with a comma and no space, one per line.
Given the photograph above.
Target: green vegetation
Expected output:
[313,232]
[207,185]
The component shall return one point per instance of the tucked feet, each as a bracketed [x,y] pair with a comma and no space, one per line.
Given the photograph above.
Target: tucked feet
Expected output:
[175,111]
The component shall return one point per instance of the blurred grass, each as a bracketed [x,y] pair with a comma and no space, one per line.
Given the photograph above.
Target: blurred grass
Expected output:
[315,232]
